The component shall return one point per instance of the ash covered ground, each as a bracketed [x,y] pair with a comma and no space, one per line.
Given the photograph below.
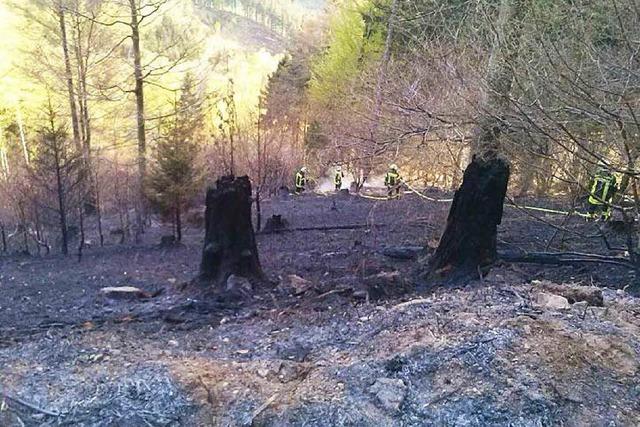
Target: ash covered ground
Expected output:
[342,337]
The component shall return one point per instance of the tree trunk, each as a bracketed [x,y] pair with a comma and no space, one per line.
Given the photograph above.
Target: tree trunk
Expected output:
[98,208]
[468,244]
[23,225]
[69,78]
[258,211]
[23,139]
[469,239]
[3,234]
[36,214]
[178,223]
[62,207]
[140,116]
[229,244]
[84,119]
[82,236]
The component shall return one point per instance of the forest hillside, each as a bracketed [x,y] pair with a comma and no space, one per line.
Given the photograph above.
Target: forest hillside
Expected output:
[319,213]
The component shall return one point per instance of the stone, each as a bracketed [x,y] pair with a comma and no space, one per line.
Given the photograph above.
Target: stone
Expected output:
[290,371]
[580,306]
[555,302]
[390,393]
[238,286]
[263,372]
[573,292]
[296,284]
[384,284]
[360,295]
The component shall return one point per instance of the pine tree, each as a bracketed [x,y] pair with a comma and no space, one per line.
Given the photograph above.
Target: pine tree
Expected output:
[176,174]
[57,173]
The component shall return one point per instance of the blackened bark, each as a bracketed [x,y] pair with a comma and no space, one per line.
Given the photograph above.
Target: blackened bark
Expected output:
[258,210]
[98,211]
[82,235]
[3,234]
[229,244]
[468,245]
[23,227]
[469,240]
[62,205]
[178,222]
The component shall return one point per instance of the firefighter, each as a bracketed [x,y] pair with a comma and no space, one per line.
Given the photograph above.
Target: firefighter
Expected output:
[392,181]
[337,178]
[603,188]
[301,180]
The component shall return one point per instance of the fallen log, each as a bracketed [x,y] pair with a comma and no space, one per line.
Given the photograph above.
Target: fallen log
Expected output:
[403,252]
[564,258]
[326,228]
[416,222]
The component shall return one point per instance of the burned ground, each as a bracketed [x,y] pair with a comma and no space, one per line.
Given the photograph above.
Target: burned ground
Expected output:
[313,349]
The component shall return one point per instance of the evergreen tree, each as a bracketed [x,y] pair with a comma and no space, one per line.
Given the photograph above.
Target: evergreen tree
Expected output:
[176,174]
[57,174]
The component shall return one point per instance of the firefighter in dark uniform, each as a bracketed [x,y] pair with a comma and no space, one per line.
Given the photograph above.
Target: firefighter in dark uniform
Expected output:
[603,188]
[392,181]
[301,180]
[337,178]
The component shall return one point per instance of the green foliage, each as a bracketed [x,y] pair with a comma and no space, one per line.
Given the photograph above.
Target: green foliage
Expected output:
[357,34]
[176,175]
[284,95]
[227,114]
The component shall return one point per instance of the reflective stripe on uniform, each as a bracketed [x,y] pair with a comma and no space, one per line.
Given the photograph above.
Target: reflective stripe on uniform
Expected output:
[600,190]
[391,178]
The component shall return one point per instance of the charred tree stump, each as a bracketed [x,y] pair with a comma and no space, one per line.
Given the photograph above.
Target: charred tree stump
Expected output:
[468,244]
[275,224]
[229,243]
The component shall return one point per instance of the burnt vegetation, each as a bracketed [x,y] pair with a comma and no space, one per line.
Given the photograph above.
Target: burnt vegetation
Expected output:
[157,267]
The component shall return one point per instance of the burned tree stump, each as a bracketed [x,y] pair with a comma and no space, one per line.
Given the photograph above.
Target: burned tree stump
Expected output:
[275,224]
[468,244]
[229,243]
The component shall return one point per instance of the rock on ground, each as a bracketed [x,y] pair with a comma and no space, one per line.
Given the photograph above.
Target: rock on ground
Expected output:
[554,302]
[389,392]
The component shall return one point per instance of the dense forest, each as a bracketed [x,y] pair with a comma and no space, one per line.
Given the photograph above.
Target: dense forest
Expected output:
[319,212]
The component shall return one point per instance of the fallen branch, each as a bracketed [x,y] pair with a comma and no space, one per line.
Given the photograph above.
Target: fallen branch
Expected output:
[403,252]
[264,406]
[325,228]
[29,405]
[410,303]
[334,291]
[565,258]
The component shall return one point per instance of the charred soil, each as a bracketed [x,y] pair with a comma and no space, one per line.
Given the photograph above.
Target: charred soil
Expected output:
[343,338]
